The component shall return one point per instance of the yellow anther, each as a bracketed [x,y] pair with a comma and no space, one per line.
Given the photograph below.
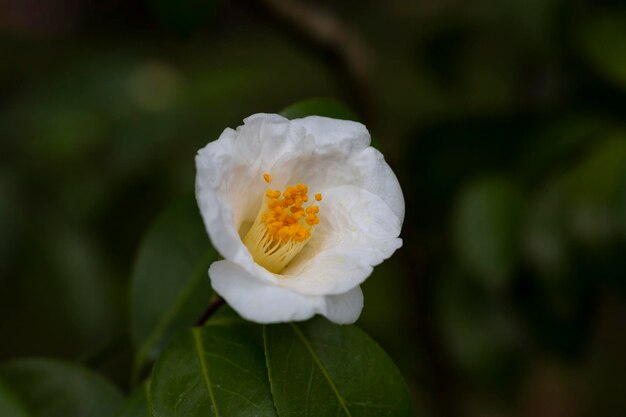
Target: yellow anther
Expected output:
[284,217]
[272,194]
[282,227]
[312,219]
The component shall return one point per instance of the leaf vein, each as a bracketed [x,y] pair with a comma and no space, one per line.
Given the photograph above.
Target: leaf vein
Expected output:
[225,359]
[323,369]
[308,389]
[205,371]
[238,395]
[267,365]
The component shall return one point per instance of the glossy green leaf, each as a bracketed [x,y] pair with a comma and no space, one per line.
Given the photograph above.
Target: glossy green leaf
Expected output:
[137,404]
[322,369]
[485,225]
[217,370]
[170,285]
[10,404]
[50,388]
[328,107]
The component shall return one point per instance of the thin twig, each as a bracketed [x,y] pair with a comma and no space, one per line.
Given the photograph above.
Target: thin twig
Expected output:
[212,308]
[337,37]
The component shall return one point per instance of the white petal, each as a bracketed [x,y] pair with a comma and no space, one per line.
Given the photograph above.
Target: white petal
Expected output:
[357,231]
[214,172]
[346,135]
[229,182]
[343,165]
[362,212]
[257,301]
[378,178]
[267,303]
[313,150]
[345,308]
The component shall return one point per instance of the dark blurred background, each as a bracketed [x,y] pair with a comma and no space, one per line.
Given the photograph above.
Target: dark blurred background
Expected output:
[504,120]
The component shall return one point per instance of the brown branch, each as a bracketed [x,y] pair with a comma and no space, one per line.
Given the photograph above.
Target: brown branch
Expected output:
[337,37]
[212,308]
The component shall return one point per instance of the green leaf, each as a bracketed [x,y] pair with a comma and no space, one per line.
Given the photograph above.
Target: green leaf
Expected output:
[485,226]
[602,40]
[328,107]
[592,212]
[50,388]
[321,369]
[599,178]
[137,404]
[170,285]
[316,368]
[217,370]
[10,404]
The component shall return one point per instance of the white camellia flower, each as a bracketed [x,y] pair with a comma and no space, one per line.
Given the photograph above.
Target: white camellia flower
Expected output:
[288,256]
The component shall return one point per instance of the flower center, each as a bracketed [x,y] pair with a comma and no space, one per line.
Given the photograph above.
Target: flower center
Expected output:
[282,227]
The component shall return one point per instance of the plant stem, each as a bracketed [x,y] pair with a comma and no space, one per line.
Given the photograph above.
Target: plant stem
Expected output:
[212,308]
[338,40]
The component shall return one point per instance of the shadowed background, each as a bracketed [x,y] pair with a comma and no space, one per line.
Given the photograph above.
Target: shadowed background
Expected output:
[504,121]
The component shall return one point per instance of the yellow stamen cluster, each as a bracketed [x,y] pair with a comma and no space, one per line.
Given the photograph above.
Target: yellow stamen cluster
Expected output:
[283,216]
[282,227]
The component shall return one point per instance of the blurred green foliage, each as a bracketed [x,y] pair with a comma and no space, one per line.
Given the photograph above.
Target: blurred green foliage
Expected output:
[56,389]
[504,121]
[326,107]
[177,251]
